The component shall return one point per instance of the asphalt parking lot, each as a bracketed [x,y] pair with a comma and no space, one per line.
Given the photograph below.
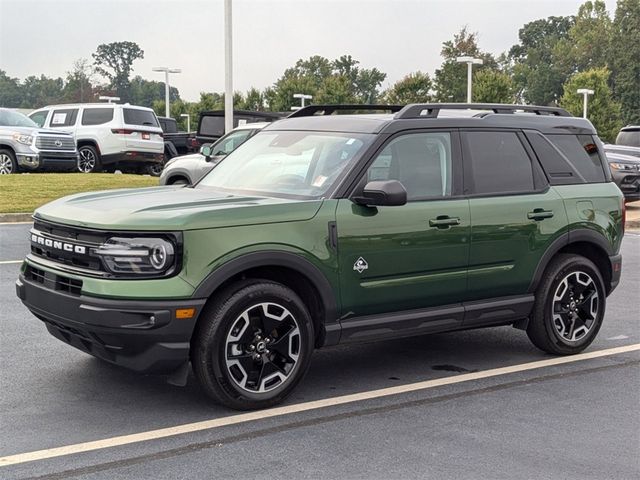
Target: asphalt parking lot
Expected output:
[577,419]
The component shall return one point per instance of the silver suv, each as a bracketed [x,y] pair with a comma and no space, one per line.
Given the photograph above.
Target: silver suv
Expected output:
[25,146]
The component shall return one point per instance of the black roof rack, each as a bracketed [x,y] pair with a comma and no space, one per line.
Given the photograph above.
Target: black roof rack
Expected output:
[312,110]
[431,110]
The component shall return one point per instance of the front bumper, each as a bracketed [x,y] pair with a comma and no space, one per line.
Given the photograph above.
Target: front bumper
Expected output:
[45,160]
[628,182]
[144,336]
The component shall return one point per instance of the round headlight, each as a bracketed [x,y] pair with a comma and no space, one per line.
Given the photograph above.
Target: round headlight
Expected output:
[158,256]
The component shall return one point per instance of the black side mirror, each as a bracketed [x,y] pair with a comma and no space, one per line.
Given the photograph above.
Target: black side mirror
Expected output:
[206,150]
[383,193]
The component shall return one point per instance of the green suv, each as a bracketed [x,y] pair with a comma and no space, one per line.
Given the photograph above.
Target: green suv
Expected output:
[328,227]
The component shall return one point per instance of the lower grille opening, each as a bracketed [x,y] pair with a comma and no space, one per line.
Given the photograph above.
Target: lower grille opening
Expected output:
[51,280]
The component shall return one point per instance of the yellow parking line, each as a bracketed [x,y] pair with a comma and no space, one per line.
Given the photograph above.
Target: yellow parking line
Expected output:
[302,407]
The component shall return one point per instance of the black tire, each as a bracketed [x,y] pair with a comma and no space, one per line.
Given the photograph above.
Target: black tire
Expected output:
[8,164]
[154,169]
[227,333]
[179,181]
[88,159]
[565,318]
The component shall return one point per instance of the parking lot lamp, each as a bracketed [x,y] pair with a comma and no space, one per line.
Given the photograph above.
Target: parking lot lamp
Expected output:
[166,71]
[302,98]
[585,94]
[188,117]
[469,61]
[108,98]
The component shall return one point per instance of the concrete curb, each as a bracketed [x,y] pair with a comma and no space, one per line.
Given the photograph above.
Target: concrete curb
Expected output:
[15,217]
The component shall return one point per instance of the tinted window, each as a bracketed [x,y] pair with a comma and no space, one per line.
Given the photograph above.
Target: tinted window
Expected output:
[421,162]
[498,163]
[558,169]
[168,125]
[582,152]
[97,116]
[39,117]
[629,137]
[133,116]
[228,144]
[212,126]
[64,118]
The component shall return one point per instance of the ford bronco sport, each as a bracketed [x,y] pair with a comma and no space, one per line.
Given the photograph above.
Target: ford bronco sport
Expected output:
[326,229]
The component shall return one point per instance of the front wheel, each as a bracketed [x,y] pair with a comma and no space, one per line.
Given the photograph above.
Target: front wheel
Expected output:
[253,345]
[569,308]
[88,159]
[8,163]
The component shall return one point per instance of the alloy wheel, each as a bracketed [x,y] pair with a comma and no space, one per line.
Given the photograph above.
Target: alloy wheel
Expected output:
[6,164]
[86,161]
[262,347]
[575,306]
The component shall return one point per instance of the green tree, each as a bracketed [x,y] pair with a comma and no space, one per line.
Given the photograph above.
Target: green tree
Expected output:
[115,62]
[146,92]
[10,95]
[78,87]
[624,59]
[413,88]
[493,86]
[253,100]
[36,92]
[451,77]
[537,72]
[603,110]
[335,89]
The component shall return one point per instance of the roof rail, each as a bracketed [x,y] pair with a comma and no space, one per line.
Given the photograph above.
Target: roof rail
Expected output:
[431,110]
[312,110]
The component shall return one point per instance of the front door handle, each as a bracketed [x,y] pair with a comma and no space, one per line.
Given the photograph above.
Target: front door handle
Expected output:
[444,221]
[539,214]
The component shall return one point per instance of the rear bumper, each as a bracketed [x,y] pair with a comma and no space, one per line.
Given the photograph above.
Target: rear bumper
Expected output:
[144,336]
[132,158]
[616,271]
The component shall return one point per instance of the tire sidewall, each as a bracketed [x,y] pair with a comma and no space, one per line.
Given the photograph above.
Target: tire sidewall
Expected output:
[569,266]
[12,158]
[214,352]
[97,165]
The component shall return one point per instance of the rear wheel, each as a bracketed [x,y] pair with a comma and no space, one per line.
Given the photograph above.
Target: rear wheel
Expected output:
[569,308]
[253,345]
[8,163]
[88,159]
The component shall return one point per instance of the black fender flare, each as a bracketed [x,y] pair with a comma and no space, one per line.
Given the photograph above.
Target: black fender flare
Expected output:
[275,258]
[567,238]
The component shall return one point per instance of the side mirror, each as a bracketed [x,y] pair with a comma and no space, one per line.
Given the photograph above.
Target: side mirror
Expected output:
[206,150]
[383,193]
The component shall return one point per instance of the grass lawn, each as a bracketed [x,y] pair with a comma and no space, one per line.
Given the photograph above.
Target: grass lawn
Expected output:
[23,193]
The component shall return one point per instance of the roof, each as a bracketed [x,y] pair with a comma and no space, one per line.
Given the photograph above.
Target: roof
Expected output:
[96,104]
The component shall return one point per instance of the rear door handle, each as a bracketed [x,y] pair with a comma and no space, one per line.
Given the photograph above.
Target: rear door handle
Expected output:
[539,214]
[444,221]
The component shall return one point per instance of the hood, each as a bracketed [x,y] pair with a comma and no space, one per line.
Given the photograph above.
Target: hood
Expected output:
[34,131]
[193,157]
[172,208]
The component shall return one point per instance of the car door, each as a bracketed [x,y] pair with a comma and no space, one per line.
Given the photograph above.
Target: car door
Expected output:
[403,258]
[515,215]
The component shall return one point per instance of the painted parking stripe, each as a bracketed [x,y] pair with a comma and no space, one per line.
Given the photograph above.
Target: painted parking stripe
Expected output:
[302,407]
[9,262]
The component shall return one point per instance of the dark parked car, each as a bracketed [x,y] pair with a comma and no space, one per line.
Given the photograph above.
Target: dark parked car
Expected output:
[181,141]
[625,170]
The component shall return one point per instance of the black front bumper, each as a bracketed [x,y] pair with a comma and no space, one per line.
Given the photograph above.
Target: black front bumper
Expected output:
[144,336]
[629,184]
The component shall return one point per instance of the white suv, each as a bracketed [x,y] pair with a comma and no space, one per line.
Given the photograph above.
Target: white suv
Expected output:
[108,135]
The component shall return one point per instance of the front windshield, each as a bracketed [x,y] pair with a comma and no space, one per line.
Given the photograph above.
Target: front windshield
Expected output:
[9,118]
[287,163]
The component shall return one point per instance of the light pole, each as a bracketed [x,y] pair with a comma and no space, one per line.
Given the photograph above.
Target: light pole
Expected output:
[302,98]
[228,67]
[585,93]
[166,71]
[188,120]
[469,61]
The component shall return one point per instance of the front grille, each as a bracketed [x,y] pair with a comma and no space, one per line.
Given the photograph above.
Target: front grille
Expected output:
[50,142]
[54,281]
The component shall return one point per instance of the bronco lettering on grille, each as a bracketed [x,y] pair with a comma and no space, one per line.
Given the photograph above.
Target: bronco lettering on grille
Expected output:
[58,245]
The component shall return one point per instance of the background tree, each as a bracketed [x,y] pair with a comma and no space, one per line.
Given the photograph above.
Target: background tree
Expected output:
[603,110]
[451,77]
[10,94]
[39,91]
[493,86]
[115,62]
[413,88]
[624,59]
[537,72]
[146,92]
[78,85]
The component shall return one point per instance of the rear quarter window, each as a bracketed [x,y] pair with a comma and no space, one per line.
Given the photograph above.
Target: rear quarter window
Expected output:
[134,116]
[583,154]
[97,116]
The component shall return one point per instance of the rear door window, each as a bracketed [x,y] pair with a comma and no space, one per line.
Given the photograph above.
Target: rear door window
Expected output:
[134,116]
[97,116]
[496,162]
[583,154]
[64,117]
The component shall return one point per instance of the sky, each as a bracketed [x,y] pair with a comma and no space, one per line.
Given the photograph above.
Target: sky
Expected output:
[395,36]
